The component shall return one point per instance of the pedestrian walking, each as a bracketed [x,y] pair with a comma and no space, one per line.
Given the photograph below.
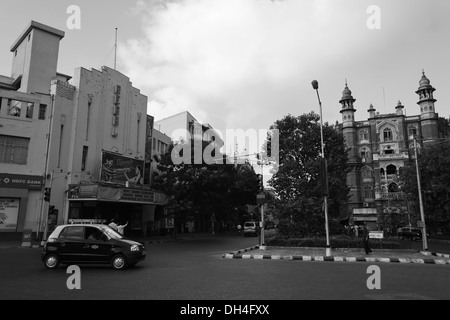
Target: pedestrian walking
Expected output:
[366,238]
[113,224]
[121,228]
[239,227]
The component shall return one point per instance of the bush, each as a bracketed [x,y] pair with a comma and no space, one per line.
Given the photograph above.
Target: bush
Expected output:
[335,242]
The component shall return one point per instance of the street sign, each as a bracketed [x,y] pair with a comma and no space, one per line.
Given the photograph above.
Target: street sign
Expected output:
[26,238]
[376,235]
[260,198]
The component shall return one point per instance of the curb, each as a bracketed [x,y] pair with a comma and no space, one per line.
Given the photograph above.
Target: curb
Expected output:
[240,255]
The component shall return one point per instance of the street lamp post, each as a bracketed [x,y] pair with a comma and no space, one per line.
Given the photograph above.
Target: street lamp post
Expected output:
[422,214]
[262,239]
[315,85]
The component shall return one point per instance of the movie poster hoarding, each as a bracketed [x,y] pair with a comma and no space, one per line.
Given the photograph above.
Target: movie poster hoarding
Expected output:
[119,169]
[9,213]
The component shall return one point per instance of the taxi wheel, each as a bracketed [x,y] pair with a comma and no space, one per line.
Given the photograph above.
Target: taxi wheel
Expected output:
[119,262]
[51,261]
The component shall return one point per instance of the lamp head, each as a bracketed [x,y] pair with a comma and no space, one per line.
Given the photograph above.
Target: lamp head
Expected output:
[315,84]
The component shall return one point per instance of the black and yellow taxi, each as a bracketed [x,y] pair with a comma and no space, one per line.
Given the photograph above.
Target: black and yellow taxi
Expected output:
[90,244]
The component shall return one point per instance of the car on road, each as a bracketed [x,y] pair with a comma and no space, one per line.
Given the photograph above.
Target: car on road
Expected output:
[90,244]
[250,228]
[410,233]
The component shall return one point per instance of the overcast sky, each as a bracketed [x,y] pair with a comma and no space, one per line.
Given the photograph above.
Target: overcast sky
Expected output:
[247,63]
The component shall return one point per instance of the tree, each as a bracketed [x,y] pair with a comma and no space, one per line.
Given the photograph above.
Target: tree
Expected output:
[202,191]
[434,167]
[297,182]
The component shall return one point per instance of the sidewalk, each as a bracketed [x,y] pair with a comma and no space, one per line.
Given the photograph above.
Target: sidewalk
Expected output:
[339,255]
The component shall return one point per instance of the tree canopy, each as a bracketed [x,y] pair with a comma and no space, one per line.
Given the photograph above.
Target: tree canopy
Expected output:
[434,168]
[297,182]
[204,191]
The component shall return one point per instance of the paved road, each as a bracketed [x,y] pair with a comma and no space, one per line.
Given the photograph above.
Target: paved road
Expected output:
[194,270]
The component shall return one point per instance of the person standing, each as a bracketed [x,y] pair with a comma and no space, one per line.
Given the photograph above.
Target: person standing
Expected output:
[366,238]
[121,228]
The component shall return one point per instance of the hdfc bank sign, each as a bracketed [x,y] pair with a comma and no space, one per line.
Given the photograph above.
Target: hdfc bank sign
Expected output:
[20,181]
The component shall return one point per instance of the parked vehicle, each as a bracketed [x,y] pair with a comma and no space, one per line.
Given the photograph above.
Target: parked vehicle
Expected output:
[90,244]
[410,233]
[250,228]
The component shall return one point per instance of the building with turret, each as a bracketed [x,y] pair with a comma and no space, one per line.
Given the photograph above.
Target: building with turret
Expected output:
[378,148]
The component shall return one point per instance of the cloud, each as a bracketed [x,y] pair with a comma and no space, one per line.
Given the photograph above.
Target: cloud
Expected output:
[238,63]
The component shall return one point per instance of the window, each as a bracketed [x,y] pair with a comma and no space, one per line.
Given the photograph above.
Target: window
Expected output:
[30,108]
[368,192]
[84,158]
[388,150]
[75,233]
[391,169]
[42,111]
[14,108]
[91,233]
[13,149]
[387,134]
[412,131]
[393,187]
[365,153]
[154,144]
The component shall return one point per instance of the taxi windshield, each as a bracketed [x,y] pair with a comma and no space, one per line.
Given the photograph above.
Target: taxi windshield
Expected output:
[111,233]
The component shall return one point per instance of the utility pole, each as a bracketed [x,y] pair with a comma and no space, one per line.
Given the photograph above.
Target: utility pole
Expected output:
[422,214]
[315,85]
[115,51]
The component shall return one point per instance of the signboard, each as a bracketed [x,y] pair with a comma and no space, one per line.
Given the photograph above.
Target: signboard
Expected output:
[376,235]
[20,181]
[26,238]
[420,224]
[260,198]
[137,195]
[9,212]
[119,169]
[365,219]
[82,191]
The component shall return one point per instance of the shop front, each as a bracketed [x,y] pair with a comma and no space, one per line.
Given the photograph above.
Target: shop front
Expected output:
[135,206]
[20,203]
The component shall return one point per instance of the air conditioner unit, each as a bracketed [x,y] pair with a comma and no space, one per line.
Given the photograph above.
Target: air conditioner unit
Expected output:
[115,121]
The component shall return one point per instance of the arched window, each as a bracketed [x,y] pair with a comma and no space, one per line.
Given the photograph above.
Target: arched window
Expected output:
[368,192]
[382,173]
[391,169]
[393,187]
[387,135]
[388,150]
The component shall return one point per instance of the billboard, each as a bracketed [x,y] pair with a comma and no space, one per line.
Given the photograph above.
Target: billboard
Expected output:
[119,169]
[9,212]
[148,148]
